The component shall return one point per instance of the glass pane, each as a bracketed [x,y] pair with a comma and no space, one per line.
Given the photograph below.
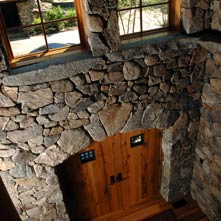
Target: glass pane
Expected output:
[26,41]
[27,12]
[136,3]
[58,10]
[148,2]
[155,17]
[62,34]
[129,21]
[128,3]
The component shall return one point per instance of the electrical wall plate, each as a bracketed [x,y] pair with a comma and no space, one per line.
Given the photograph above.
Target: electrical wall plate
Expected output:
[87,156]
[137,140]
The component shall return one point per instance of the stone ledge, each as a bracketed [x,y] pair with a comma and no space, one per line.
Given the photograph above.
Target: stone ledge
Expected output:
[153,38]
[50,73]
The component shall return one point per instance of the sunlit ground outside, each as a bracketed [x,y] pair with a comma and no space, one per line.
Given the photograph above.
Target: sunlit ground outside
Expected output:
[31,44]
[153,18]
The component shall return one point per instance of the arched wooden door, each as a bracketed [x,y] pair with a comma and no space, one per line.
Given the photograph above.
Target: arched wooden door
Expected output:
[118,177]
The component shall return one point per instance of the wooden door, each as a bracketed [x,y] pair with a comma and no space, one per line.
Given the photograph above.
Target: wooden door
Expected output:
[120,176]
[140,166]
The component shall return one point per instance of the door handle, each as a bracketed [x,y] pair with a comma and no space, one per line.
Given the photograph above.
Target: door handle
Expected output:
[119,177]
[112,180]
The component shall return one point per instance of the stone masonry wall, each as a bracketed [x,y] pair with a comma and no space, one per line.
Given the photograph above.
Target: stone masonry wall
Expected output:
[216,15]
[49,114]
[200,15]
[206,186]
[196,15]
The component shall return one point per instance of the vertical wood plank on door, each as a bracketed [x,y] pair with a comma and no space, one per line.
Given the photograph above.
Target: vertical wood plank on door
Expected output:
[134,175]
[99,186]
[144,170]
[110,170]
[138,169]
[139,166]
[145,164]
[150,161]
[122,158]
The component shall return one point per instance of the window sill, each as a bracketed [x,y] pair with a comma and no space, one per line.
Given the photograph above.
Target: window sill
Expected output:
[41,57]
[151,38]
[46,61]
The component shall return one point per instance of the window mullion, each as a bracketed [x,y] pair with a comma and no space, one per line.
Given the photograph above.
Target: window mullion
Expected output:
[174,14]
[81,22]
[42,25]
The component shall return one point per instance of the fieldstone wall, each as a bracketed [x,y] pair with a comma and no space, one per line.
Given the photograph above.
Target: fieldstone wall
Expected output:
[206,185]
[49,114]
[216,19]
[196,15]
[200,15]
[102,25]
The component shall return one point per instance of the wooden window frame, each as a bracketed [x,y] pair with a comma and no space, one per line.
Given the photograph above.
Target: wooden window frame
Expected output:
[37,56]
[173,20]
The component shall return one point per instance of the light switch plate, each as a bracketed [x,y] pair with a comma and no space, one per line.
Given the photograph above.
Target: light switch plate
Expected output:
[137,140]
[87,156]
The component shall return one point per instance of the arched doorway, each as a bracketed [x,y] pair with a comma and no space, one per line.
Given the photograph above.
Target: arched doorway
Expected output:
[121,171]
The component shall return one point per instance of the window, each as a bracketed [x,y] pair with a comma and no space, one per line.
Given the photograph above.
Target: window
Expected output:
[35,28]
[143,16]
